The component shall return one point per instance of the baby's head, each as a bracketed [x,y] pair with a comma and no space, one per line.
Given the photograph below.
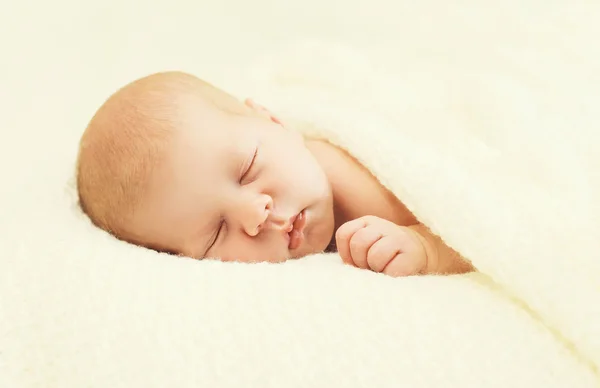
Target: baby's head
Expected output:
[172,163]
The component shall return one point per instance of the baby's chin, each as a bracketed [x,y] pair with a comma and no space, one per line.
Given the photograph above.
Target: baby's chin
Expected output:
[319,236]
[316,243]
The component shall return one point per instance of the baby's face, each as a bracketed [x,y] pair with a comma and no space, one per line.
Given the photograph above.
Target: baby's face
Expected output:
[238,188]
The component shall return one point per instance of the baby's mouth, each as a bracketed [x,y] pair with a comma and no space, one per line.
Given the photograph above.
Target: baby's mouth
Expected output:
[297,233]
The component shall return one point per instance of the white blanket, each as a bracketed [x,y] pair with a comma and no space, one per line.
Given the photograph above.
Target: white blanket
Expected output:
[482,120]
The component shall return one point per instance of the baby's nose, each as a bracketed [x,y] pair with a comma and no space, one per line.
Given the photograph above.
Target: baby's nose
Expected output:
[278,222]
[254,213]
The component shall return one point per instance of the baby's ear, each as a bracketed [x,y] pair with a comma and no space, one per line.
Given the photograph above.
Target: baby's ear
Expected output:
[262,110]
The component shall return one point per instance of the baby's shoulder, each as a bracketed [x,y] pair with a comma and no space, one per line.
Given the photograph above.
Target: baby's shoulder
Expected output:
[358,190]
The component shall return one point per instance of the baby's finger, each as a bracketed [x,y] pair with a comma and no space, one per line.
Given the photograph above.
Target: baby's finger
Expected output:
[360,243]
[403,265]
[381,253]
[343,236]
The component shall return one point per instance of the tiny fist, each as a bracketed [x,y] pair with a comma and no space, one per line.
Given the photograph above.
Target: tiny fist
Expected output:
[381,246]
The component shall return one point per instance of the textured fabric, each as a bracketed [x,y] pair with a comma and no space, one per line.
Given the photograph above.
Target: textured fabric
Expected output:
[482,120]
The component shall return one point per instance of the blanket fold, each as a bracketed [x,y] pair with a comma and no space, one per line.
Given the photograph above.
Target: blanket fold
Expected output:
[513,192]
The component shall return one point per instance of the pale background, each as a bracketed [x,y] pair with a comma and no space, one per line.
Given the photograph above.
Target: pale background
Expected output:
[61,59]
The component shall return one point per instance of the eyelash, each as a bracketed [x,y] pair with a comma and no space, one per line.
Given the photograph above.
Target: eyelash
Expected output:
[221,225]
[222,222]
[250,166]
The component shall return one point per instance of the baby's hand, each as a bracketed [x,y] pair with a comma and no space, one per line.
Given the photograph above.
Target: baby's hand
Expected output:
[379,245]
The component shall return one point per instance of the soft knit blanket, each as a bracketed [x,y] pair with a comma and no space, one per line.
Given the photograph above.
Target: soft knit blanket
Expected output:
[500,170]
[495,152]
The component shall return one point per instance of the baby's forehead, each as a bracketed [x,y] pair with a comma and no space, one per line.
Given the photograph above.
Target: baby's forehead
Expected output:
[202,140]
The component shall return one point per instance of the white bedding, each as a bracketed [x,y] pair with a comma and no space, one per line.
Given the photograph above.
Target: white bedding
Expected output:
[482,118]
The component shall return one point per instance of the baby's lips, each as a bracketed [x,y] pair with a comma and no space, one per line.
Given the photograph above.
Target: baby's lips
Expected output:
[300,222]
[297,233]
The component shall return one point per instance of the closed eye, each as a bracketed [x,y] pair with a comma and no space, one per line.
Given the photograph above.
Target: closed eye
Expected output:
[216,238]
[249,168]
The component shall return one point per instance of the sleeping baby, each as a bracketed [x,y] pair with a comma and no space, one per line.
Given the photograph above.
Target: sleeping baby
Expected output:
[172,163]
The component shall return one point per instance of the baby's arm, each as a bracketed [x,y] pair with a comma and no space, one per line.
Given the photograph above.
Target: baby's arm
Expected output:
[382,246]
[440,257]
